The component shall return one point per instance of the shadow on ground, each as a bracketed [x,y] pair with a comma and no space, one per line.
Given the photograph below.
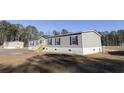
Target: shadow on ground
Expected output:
[65,63]
[119,53]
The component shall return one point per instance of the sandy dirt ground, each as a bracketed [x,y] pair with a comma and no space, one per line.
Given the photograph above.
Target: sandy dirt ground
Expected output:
[25,61]
[15,56]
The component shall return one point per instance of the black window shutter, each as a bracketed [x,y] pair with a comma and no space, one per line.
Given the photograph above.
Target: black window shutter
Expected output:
[48,42]
[55,41]
[70,40]
[77,40]
[51,41]
[59,41]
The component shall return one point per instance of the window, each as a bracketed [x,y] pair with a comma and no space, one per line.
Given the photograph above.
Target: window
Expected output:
[32,43]
[40,41]
[74,40]
[57,41]
[36,42]
[50,41]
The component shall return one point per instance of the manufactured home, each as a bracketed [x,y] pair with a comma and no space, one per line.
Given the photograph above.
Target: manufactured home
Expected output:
[81,43]
[32,44]
[13,45]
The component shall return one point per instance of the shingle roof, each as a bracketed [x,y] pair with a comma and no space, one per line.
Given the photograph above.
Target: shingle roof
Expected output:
[75,34]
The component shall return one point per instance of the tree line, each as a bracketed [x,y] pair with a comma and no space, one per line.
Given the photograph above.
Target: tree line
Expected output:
[17,32]
[112,38]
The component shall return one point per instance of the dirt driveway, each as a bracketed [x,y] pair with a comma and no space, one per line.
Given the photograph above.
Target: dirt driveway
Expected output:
[15,56]
[61,63]
[14,51]
[26,61]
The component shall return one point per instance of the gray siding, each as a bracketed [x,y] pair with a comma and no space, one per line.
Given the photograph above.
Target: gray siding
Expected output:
[88,43]
[91,39]
[65,41]
[34,43]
